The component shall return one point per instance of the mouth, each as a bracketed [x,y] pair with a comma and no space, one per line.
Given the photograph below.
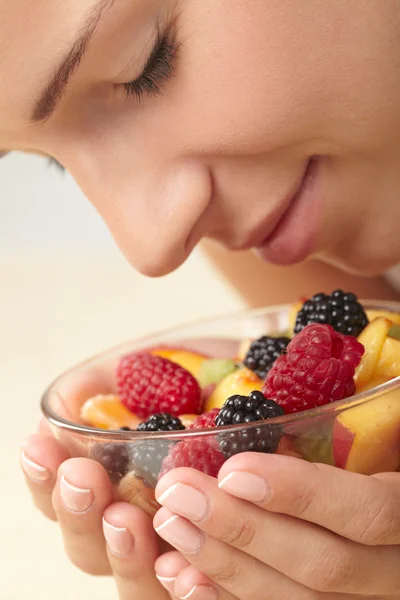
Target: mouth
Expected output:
[293,236]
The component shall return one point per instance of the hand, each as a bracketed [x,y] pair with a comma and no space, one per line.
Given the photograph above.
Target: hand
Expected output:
[77,492]
[50,473]
[280,528]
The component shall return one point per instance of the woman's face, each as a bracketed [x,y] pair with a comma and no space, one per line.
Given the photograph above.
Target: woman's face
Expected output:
[272,124]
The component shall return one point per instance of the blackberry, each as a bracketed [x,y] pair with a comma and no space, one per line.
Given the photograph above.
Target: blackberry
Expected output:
[246,409]
[263,353]
[161,422]
[114,457]
[147,459]
[341,310]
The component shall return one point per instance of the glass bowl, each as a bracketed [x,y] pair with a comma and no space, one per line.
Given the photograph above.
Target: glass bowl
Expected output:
[361,433]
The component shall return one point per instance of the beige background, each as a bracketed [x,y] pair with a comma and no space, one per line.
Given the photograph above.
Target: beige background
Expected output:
[65,294]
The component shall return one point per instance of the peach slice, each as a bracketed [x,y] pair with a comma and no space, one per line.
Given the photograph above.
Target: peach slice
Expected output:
[243,381]
[372,338]
[388,364]
[366,438]
[108,412]
[191,361]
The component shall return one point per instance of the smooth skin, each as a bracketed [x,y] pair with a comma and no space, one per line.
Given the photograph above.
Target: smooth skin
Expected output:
[260,90]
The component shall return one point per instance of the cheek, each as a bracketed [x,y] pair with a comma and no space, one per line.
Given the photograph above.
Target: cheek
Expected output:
[243,76]
[272,75]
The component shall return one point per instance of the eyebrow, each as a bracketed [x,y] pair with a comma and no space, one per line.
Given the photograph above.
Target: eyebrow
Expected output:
[55,91]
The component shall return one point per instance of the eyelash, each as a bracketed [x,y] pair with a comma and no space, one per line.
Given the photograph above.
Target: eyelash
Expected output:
[159,69]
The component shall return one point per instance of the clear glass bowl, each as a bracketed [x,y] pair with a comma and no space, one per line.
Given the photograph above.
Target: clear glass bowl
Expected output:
[361,433]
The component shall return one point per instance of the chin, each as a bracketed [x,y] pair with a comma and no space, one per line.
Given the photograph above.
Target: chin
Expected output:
[359,266]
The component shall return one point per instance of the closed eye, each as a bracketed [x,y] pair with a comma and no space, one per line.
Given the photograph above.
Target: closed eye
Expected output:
[159,69]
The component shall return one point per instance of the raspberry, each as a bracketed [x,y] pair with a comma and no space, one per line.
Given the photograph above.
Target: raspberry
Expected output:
[263,353]
[341,310]
[161,422]
[245,409]
[206,420]
[147,458]
[318,368]
[201,455]
[150,384]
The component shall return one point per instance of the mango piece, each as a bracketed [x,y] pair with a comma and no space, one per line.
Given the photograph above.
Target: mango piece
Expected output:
[243,381]
[108,412]
[373,383]
[372,338]
[392,316]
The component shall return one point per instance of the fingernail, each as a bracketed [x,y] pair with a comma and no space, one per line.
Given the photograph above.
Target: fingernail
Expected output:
[119,539]
[167,582]
[182,535]
[33,470]
[246,486]
[185,500]
[76,499]
[201,592]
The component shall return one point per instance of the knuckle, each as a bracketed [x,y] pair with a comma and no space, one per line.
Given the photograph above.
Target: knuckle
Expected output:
[229,572]
[302,501]
[383,524]
[333,571]
[242,532]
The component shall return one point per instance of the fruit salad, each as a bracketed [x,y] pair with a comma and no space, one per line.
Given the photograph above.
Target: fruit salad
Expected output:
[187,409]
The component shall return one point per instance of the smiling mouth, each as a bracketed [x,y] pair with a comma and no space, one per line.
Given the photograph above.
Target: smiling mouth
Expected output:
[308,174]
[266,229]
[294,236]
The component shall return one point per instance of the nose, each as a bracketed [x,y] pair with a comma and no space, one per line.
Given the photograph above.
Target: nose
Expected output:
[152,213]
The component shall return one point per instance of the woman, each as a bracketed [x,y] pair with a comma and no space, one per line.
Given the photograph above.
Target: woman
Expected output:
[269,124]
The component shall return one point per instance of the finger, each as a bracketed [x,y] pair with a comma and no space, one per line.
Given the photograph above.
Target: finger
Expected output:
[305,552]
[361,508]
[191,583]
[132,549]
[233,570]
[81,495]
[177,575]
[41,457]
[167,568]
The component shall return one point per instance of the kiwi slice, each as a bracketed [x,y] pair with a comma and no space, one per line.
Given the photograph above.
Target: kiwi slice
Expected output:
[214,370]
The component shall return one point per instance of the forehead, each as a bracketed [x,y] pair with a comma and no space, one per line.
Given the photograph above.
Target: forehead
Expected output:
[33,39]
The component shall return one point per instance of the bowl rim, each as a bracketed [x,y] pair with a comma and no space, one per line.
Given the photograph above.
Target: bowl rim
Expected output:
[303,416]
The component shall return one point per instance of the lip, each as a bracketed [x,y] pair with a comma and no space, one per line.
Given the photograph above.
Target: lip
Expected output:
[293,237]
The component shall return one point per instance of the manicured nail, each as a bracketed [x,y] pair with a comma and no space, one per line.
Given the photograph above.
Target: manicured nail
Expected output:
[76,499]
[246,486]
[119,539]
[182,535]
[167,582]
[33,470]
[186,501]
[201,592]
